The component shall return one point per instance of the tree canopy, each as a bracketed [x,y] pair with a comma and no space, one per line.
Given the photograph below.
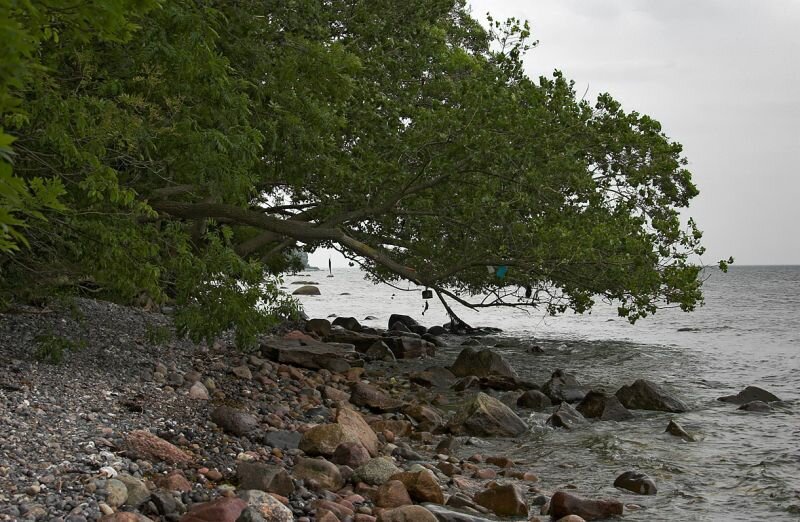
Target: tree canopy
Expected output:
[178,151]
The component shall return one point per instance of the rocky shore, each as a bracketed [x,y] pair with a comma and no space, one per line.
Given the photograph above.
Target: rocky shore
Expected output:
[325,421]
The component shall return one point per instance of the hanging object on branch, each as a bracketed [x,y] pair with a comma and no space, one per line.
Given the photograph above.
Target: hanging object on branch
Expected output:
[427,294]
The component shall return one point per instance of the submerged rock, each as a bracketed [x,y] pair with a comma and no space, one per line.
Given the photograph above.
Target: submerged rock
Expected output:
[675,429]
[485,416]
[307,290]
[563,504]
[564,387]
[444,514]
[756,406]
[481,363]
[636,482]
[505,500]
[565,416]
[750,394]
[598,405]
[646,395]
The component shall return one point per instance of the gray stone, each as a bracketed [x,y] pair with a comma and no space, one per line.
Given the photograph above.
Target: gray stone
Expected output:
[264,477]
[234,421]
[636,482]
[750,394]
[534,400]
[481,364]
[646,395]
[485,416]
[376,471]
[564,387]
[565,416]
[116,492]
[138,493]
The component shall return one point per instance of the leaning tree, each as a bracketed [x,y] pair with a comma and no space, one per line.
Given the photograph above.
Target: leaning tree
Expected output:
[180,150]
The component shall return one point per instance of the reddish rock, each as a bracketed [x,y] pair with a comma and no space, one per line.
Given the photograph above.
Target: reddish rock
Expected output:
[323,515]
[151,447]
[123,516]
[407,514]
[341,511]
[505,500]
[485,474]
[224,509]
[351,454]
[392,494]
[500,462]
[174,481]
[400,428]
[366,395]
[421,485]
[355,425]
[563,504]
[334,394]
[319,473]
[264,477]
[428,418]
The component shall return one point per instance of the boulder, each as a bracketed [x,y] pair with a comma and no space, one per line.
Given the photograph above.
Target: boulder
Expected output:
[427,417]
[433,377]
[505,500]
[750,394]
[314,355]
[144,444]
[760,406]
[376,472]
[563,504]
[198,392]
[223,509]
[380,352]
[404,319]
[434,339]
[421,485]
[444,514]
[564,387]
[599,405]
[675,429]
[645,395]
[355,426]
[392,494]
[264,477]
[565,416]
[307,290]
[637,482]
[283,439]
[323,439]
[321,327]
[351,454]
[348,323]
[437,330]
[368,396]
[318,473]
[399,327]
[485,416]
[263,507]
[360,340]
[410,348]
[466,383]
[481,364]
[534,400]
[116,493]
[400,428]
[407,514]
[234,421]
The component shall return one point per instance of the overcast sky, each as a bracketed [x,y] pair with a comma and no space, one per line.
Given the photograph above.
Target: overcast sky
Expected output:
[722,76]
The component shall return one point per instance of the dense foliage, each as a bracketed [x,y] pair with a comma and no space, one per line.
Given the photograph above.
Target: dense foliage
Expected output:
[177,151]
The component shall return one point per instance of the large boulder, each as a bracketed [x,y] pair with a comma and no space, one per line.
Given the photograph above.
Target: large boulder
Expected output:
[676,430]
[433,377]
[223,509]
[598,405]
[534,400]
[146,445]
[485,416]
[351,454]
[481,364]
[505,500]
[307,290]
[637,482]
[404,319]
[564,387]
[318,473]
[565,416]
[750,394]
[409,347]
[376,471]
[407,514]
[646,395]
[378,351]
[310,354]
[563,504]
[321,327]
[348,323]
[427,417]
[421,485]
[350,426]
[263,507]
[264,477]
[392,494]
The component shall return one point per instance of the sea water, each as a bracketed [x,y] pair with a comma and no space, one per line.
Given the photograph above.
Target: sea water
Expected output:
[744,466]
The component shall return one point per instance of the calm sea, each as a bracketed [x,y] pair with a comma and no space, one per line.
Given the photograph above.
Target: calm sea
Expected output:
[744,466]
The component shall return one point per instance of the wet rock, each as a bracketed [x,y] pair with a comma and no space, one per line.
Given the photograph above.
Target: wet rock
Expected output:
[437,330]
[534,400]
[404,319]
[433,339]
[392,494]
[598,405]
[307,290]
[263,507]
[645,395]
[376,471]
[407,514]
[563,504]
[485,416]
[750,394]
[264,477]
[283,439]
[564,387]
[421,485]
[366,395]
[410,348]
[151,447]
[351,453]
[673,428]
[348,323]
[448,446]
[433,377]
[223,509]
[505,500]
[481,364]
[233,421]
[565,416]
[318,473]
[467,383]
[759,406]
[379,352]
[637,482]
[321,327]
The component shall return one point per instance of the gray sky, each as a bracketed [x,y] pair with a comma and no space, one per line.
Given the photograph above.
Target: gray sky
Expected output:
[722,76]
